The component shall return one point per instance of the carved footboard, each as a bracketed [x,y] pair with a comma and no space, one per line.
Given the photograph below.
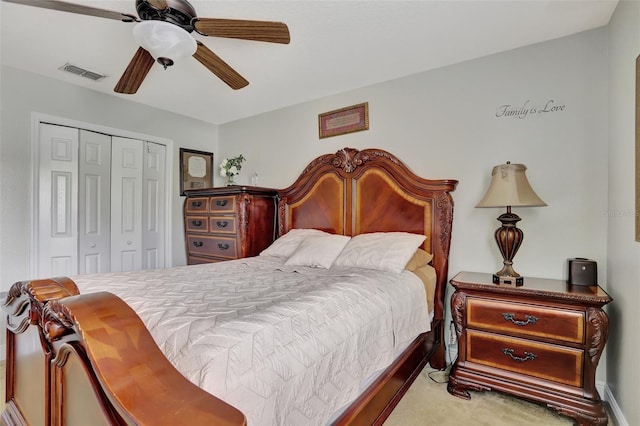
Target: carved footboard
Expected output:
[88,360]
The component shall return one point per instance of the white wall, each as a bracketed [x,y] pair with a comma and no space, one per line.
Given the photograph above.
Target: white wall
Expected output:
[23,93]
[623,265]
[443,124]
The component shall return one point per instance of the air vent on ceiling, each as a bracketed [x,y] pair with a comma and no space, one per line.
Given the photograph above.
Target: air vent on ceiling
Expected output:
[82,72]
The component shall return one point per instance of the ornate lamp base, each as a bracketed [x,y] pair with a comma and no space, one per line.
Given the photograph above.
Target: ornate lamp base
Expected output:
[517,281]
[508,237]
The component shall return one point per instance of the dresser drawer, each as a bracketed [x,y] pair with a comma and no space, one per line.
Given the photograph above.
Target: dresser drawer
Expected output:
[197,223]
[223,224]
[526,320]
[195,260]
[196,205]
[542,360]
[223,204]
[212,246]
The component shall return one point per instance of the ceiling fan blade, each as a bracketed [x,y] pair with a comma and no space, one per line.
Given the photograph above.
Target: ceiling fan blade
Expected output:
[64,6]
[219,67]
[135,73]
[158,4]
[272,32]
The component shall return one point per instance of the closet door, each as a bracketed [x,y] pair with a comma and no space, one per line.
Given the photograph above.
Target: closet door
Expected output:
[126,204]
[94,201]
[58,201]
[101,204]
[153,211]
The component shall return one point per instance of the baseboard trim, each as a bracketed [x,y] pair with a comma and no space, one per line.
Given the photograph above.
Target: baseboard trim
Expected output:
[607,395]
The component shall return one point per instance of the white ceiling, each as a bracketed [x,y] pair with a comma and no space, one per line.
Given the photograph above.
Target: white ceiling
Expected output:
[335,46]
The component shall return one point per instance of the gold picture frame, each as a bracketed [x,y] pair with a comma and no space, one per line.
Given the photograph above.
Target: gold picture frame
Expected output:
[354,118]
[196,169]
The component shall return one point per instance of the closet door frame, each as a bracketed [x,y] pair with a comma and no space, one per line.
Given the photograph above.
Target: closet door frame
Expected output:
[36,120]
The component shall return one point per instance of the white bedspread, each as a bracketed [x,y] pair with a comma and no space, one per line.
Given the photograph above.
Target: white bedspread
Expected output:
[285,345]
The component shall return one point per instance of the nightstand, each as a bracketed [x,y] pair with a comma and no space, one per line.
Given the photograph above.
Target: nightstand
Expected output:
[540,341]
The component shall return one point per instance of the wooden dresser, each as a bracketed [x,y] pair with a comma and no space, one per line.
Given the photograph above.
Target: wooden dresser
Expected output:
[229,222]
[540,341]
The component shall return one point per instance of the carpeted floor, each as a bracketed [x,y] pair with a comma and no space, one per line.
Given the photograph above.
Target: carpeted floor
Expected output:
[428,403]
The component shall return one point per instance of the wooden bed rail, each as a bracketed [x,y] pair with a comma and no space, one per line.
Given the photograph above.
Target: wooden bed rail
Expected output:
[88,359]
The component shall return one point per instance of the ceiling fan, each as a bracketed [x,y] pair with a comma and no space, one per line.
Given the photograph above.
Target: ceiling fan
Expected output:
[163,31]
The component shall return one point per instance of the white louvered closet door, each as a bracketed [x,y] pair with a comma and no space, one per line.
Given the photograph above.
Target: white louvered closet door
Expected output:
[153,211]
[58,201]
[101,203]
[94,203]
[126,204]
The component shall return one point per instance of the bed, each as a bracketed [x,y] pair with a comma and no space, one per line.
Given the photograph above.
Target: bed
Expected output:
[96,350]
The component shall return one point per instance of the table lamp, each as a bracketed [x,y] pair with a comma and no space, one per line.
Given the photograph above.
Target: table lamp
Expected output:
[509,188]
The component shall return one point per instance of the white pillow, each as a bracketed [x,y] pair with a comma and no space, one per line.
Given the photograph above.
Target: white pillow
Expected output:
[387,251]
[289,242]
[318,251]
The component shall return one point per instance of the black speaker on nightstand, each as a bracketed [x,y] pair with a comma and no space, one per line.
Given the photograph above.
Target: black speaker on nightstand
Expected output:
[582,271]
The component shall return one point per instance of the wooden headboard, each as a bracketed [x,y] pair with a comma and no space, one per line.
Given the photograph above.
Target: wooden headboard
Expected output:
[354,192]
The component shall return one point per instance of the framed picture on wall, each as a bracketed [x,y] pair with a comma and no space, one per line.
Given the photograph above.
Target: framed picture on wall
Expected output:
[350,119]
[196,169]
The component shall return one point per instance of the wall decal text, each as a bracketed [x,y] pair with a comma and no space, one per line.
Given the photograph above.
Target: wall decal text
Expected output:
[528,109]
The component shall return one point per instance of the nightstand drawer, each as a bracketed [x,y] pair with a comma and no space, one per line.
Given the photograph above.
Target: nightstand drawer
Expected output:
[551,362]
[222,204]
[226,224]
[526,320]
[212,246]
[197,223]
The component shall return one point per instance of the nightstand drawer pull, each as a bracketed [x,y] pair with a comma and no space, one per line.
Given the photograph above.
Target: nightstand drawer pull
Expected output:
[221,203]
[196,203]
[512,317]
[223,246]
[529,356]
[198,243]
[196,223]
[222,223]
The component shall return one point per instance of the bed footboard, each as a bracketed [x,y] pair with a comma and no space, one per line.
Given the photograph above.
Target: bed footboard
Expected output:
[88,359]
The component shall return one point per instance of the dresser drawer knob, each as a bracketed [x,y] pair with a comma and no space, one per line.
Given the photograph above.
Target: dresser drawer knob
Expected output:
[196,203]
[198,243]
[196,223]
[221,203]
[223,246]
[222,223]
[530,319]
[528,356]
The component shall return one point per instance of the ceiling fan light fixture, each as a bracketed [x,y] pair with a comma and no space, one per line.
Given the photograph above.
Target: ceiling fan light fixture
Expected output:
[166,42]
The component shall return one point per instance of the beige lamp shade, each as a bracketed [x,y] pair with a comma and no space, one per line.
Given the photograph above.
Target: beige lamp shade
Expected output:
[510,187]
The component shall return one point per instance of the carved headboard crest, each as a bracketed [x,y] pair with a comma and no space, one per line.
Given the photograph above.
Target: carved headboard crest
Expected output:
[349,159]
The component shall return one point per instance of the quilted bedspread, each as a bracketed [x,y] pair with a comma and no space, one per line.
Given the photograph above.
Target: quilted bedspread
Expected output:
[285,345]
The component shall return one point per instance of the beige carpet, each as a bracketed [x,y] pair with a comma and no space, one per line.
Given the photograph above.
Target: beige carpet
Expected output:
[429,403]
